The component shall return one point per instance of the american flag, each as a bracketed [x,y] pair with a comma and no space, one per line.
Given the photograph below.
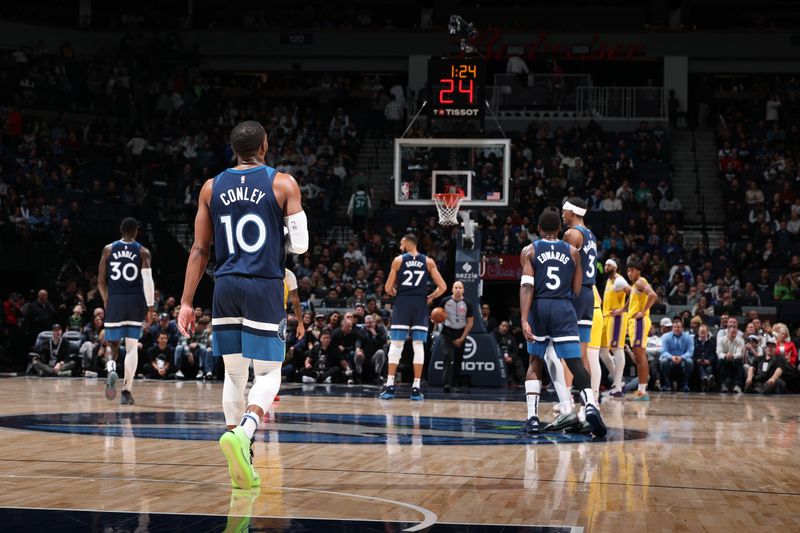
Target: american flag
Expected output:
[493,196]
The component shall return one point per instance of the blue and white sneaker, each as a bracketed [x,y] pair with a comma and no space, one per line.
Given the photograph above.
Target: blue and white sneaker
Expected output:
[111,385]
[416,394]
[387,393]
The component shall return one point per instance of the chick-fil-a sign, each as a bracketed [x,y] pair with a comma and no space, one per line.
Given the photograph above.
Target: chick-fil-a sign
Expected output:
[501,267]
[492,47]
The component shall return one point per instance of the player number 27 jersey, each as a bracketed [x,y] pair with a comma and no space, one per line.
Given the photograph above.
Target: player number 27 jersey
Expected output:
[413,276]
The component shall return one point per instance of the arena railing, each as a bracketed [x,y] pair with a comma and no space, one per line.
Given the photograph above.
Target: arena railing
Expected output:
[543,92]
[701,204]
[621,103]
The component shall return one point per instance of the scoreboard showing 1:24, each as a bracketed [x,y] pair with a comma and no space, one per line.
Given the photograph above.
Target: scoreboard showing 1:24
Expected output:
[457,95]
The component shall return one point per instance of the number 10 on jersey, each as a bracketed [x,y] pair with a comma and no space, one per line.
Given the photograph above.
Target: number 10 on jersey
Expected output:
[237,229]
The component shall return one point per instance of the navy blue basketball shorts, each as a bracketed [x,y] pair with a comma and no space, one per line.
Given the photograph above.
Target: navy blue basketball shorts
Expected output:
[124,316]
[584,309]
[410,317]
[248,318]
[554,320]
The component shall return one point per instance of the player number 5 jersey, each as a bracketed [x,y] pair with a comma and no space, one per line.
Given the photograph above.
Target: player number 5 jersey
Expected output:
[552,269]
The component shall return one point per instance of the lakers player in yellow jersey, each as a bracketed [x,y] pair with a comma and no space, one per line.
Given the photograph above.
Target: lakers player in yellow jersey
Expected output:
[613,338]
[641,298]
[596,335]
[290,292]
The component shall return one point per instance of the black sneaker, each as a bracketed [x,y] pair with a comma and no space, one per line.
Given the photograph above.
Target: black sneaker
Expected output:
[562,422]
[126,398]
[531,425]
[387,393]
[581,427]
[446,388]
[596,421]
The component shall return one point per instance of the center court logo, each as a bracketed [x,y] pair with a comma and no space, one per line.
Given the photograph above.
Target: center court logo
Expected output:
[311,428]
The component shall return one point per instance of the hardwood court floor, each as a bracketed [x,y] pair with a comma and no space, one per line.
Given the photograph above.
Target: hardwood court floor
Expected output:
[683,462]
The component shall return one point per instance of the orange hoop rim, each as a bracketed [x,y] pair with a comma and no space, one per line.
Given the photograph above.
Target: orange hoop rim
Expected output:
[449,199]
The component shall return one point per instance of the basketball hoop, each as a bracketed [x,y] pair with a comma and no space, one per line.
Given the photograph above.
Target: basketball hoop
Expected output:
[447,204]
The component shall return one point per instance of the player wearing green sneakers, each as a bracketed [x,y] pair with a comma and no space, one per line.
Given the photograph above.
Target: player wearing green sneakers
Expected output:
[238,450]
[246,210]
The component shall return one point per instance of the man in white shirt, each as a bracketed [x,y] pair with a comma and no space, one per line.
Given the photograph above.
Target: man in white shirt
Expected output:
[729,358]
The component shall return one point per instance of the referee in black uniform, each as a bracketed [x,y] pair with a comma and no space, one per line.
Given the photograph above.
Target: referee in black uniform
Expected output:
[456,327]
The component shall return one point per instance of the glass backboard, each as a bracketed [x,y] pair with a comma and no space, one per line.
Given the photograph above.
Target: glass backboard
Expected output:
[480,168]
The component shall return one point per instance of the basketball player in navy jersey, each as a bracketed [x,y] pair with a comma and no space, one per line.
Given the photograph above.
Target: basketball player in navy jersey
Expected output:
[551,277]
[408,282]
[245,209]
[586,302]
[125,282]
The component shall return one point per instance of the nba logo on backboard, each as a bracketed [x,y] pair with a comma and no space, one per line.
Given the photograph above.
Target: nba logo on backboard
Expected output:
[405,190]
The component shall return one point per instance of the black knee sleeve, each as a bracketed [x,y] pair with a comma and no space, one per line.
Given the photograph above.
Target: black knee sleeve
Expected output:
[580,377]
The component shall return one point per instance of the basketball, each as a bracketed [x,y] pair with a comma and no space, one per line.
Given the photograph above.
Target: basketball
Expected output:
[438,315]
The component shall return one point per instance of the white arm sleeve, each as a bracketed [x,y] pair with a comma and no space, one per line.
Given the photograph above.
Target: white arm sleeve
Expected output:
[290,280]
[298,232]
[149,286]
[620,283]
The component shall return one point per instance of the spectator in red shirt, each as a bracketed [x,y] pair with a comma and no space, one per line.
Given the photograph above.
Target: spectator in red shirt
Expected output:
[785,346]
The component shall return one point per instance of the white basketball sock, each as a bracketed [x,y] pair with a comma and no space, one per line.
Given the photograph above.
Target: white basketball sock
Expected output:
[265,385]
[131,363]
[249,423]
[619,367]
[587,395]
[236,373]
[593,354]
[556,371]
[533,387]
[605,356]
[395,351]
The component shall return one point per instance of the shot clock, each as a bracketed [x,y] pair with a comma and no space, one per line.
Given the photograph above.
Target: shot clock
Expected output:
[457,95]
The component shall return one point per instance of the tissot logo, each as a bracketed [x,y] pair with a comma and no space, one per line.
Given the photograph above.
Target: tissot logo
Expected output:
[457,112]
[316,428]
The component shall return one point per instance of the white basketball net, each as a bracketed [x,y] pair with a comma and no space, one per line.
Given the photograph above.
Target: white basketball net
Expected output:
[447,205]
